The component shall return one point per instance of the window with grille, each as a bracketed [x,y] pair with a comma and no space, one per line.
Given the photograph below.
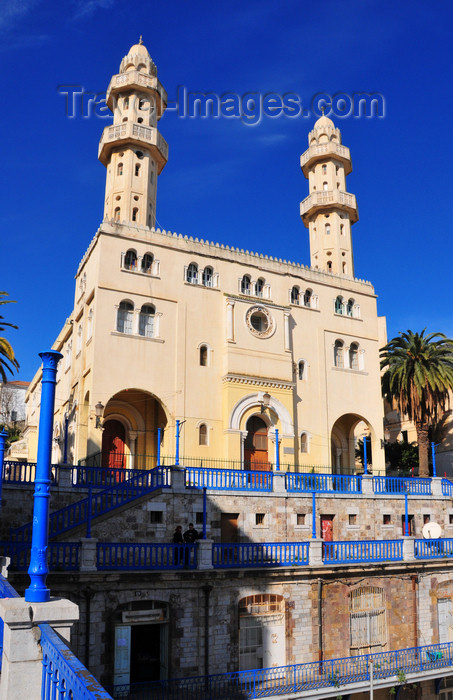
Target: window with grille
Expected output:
[295,295]
[368,623]
[245,285]
[208,274]
[192,274]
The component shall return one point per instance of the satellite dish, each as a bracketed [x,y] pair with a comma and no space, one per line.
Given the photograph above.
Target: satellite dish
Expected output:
[432,531]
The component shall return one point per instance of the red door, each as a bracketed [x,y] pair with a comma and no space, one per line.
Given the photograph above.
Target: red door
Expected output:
[113,440]
[255,449]
[327,528]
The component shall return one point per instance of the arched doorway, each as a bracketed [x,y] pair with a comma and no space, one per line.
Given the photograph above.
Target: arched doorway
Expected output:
[256,455]
[346,433]
[113,443]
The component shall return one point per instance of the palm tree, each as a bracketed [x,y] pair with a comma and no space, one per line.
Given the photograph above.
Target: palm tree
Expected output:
[7,358]
[418,378]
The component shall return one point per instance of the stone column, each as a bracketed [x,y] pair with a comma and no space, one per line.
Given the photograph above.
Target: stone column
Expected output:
[286,325]
[230,321]
[178,480]
[315,553]
[21,675]
[204,554]
[408,548]
[367,486]
[88,559]
[65,475]
[279,482]
[436,487]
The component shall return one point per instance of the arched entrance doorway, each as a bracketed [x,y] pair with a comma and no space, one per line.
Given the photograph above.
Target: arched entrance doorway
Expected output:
[256,456]
[113,444]
[346,433]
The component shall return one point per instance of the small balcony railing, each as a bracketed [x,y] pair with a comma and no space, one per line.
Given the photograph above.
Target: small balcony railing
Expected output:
[362,551]
[253,554]
[228,479]
[323,483]
[145,556]
[396,485]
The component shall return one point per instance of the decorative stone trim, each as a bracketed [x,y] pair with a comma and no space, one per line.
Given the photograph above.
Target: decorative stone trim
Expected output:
[257,381]
[271,325]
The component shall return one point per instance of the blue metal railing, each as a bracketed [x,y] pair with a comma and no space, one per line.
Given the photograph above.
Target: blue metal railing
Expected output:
[62,556]
[228,479]
[100,477]
[323,483]
[434,549]
[298,678]
[447,487]
[365,550]
[24,472]
[144,557]
[81,512]
[63,675]
[247,554]
[397,484]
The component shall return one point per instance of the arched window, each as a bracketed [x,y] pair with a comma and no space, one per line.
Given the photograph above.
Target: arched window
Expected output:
[307,297]
[301,369]
[350,306]
[147,263]
[203,356]
[325,186]
[339,307]
[68,355]
[343,268]
[354,356]
[329,266]
[126,103]
[130,260]
[124,317]
[304,442]
[203,434]
[324,169]
[208,274]
[259,287]
[83,283]
[327,229]
[137,168]
[134,214]
[117,214]
[141,103]
[341,229]
[146,321]
[338,357]
[192,274]
[245,285]
[120,169]
[295,295]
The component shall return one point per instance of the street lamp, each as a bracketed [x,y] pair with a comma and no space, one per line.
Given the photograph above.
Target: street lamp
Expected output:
[99,408]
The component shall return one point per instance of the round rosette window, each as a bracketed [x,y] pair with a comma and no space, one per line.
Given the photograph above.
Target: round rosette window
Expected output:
[260,322]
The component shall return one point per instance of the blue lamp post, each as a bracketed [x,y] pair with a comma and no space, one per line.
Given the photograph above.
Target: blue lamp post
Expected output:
[177,444]
[365,456]
[277,452]
[37,592]
[3,436]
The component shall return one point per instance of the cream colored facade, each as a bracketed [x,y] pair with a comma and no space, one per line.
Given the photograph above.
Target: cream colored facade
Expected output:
[166,327]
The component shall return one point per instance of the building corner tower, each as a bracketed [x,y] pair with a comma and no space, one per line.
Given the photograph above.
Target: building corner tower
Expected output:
[329,210]
[132,149]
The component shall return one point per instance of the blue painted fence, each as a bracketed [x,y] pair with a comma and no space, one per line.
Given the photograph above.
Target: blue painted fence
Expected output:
[101,478]
[433,549]
[362,550]
[447,487]
[254,554]
[63,675]
[228,479]
[112,556]
[323,483]
[396,485]
[24,472]
[100,503]
[298,678]
[62,556]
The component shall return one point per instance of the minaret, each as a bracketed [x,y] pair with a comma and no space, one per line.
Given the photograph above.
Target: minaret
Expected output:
[329,211]
[132,149]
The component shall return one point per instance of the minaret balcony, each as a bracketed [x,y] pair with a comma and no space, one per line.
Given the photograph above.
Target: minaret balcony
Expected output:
[322,151]
[137,81]
[327,200]
[131,134]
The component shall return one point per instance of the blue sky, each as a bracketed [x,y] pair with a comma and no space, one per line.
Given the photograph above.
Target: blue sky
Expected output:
[226,181]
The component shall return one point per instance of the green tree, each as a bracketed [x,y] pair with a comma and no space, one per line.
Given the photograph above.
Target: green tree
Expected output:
[418,377]
[7,358]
